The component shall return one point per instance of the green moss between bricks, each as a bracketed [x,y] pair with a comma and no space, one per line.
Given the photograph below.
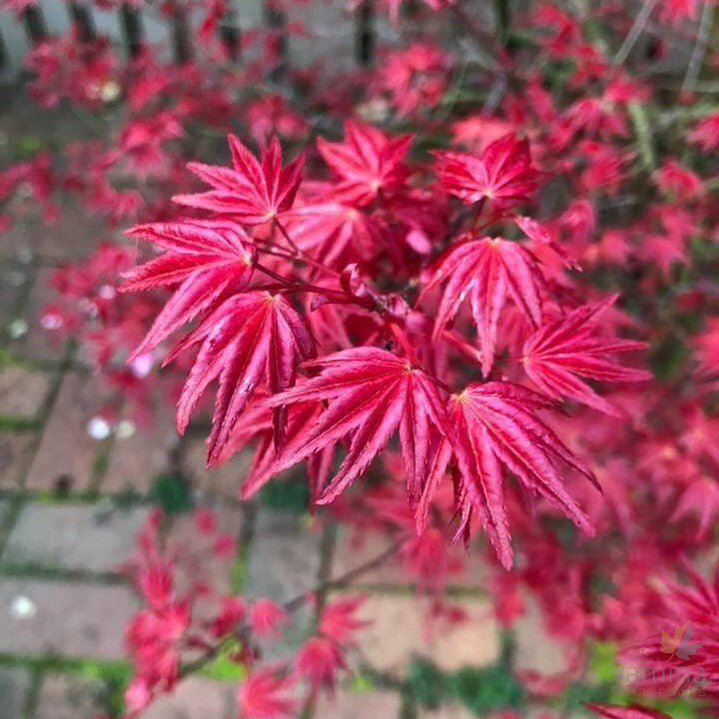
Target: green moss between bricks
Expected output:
[172,493]
[361,683]
[223,668]
[290,494]
[18,424]
[480,690]
[110,677]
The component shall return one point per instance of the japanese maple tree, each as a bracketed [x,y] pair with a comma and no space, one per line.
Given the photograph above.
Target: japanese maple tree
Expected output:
[466,295]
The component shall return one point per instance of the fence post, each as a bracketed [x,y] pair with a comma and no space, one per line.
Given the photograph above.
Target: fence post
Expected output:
[230,33]
[34,24]
[82,19]
[276,21]
[364,33]
[131,28]
[181,34]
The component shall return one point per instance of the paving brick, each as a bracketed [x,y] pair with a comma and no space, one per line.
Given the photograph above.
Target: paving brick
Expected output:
[28,338]
[184,540]
[535,650]
[194,698]
[22,120]
[474,642]
[72,237]
[16,450]
[284,557]
[284,562]
[135,461]
[79,537]
[67,453]
[14,688]
[79,619]
[352,550]
[224,481]
[399,631]
[395,634]
[359,705]
[22,391]
[63,696]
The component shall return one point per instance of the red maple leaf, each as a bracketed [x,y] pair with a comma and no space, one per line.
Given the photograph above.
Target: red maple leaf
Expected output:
[562,352]
[700,499]
[367,163]
[249,337]
[339,621]
[257,428]
[201,259]
[336,233]
[266,693]
[319,661]
[372,392]
[252,192]
[488,271]
[634,711]
[493,429]
[706,133]
[503,174]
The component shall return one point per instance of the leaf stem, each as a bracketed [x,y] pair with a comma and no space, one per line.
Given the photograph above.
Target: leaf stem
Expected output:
[292,605]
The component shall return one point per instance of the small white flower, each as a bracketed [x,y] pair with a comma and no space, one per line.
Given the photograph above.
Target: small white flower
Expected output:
[107,292]
[17,328]
[98,428]
[24,255]
[23,607]
[110,91]
[51,321]
[125,429]
[142,366]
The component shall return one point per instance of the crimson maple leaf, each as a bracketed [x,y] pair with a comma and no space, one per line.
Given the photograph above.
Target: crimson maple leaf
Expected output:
[493,428]
[257,428]
[634,711]
[337,233]
[203,259]
[371,393]
[700,499]
[562,352]
[706,133]
[339,620]
[248,337]
[267,692]
[487,270]
[367,163]
[252,192]
[504,173]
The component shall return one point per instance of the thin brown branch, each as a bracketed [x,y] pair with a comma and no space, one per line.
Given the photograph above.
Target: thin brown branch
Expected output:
[636,30]
[700,47]
[293,605]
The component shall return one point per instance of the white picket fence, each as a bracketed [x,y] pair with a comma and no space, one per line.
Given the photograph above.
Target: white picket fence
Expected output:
[334,34]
